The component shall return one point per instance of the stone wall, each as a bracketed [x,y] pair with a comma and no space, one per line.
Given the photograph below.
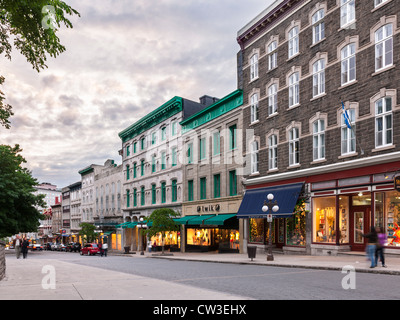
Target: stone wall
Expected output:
[2,261]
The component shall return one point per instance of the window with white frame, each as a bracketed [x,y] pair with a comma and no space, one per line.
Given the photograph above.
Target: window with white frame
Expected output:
[272,99]
[273,152]
[384,47]
[254,107]
[379,2]
[319,77]
[348,56]
[254,157]
[272,55]
[347,12]
[293,41]
[254,66]
[319,139]
[348,134]
[318,26]
[383,122]
[294,147]
[294,89]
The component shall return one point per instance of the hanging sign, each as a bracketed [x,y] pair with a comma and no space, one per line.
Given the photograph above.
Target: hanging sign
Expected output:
[397,182]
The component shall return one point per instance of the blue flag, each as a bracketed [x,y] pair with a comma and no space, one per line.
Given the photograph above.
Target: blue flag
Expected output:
[347,120]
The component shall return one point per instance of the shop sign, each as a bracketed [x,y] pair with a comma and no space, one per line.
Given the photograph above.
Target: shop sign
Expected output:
[209,208]
[397,182]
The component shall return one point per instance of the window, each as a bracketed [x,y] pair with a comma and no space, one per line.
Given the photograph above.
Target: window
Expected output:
[383,122]
[379,2]
[190,153]
[293,41]
[127,172]
[128,151]
[217,185]
[142,196]
[216,143]
[254,157]
[190,190]
[174,156]
[163,160]
[348,55]
[294,147]
[134,197]
[128,204]
[232,137]
[272,55]
[254,67]
[254,107]
[174,191]
[134,147]
[134,170]
[319,77]
[347,12]
[273,152]
[153,194]
[202,146]
[272,99]
[384,47]
[232,183]
[203,188]
[348,135]
[174,128]
[294,89]
[142,167]
[163,133]
[142,143]
[153,138]
[163,192]
[319,139]
[153,163]
[318,26]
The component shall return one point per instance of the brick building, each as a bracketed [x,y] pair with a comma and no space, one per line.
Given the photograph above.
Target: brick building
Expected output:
[299,60]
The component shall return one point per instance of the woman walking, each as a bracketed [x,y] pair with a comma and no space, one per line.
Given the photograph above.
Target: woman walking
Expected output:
[24,248]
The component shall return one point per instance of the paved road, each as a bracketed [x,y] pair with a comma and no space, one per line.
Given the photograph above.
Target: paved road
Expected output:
[251,281]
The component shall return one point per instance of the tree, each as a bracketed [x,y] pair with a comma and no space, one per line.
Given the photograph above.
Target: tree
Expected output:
[18,204]
[161,221]
[32,25]
[88,231]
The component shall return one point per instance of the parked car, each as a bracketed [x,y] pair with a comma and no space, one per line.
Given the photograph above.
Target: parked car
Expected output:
[54,246]
[35,247]
[90,249]
[47,246]
[61,247]
[73,246]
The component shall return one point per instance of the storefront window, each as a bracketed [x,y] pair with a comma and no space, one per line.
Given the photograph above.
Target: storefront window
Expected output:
[392,204]
[267,232]
[344,219]
[200,237]
[324,219]
[256,230]
[171,238]
[296,226]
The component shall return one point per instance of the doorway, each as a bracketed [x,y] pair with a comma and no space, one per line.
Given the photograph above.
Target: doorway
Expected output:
[360,217]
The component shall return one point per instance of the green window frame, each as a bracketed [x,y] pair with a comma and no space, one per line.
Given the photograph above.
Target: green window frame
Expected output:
[142,167]
[142,197]
[153,194]
[217,185]
[202,146]
[174,191]
[190,190]
[134,147]
[134,170]
[163,133]
[203,188]
[143,143]
[128,151]
[232,137]
[173,128]
[174,156]
[135,197]
[232,183]
[153,138]
[216,143]
[128,200]
[127,172]
[163,192]
[153,163]
[163,160]
[190,153]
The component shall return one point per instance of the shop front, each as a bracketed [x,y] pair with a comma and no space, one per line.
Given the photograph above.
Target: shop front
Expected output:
[332,213]
[211,226]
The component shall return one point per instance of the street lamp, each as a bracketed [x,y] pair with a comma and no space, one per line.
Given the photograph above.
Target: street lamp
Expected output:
[141,235]
[272,207]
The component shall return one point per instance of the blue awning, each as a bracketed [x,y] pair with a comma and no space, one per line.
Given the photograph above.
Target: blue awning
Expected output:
[285,195]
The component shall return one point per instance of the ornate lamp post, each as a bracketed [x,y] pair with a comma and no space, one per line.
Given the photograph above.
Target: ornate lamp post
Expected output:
[272,207]
[141,225]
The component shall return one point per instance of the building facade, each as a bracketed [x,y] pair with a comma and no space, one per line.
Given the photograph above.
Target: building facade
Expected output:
[75,205]
[152,166]
[212,174]
[320,89]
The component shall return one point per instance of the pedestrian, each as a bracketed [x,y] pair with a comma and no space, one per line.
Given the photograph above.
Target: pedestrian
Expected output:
[154,246]
[17,246]
[101,249]
[149,245]
[24,248]
[382,239]
[372,237]
[104,247]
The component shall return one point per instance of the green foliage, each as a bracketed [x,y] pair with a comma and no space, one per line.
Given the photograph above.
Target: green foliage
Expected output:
[17,201]
[88,231]
[31,26]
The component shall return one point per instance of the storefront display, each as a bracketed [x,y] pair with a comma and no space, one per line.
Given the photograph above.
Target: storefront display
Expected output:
[325,219]
[344,219]
[393,218]
[210,239]
[172,238]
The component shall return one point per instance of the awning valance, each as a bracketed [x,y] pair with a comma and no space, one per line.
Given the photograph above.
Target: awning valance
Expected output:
[219,219]
[285,195]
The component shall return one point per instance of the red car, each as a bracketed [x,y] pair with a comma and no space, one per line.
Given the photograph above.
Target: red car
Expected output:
[90,249]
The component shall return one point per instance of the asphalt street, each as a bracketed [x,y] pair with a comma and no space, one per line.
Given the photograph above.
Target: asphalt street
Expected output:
[247,281]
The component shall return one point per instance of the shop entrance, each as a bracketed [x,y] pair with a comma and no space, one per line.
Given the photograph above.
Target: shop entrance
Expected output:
[359,221]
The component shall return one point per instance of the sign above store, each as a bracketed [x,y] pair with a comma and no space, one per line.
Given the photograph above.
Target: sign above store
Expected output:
[209,208]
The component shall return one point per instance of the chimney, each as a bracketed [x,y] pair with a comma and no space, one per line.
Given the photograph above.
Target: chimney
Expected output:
[207,100]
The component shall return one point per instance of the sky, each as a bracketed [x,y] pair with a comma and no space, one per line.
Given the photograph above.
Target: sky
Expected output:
[123,59]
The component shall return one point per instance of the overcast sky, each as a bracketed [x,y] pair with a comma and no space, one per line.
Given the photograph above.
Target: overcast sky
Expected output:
[124,58]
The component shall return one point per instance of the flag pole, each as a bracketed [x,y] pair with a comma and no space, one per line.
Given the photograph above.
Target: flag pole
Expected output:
[347,120]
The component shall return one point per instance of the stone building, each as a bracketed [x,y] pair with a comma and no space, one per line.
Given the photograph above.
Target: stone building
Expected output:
[303,65]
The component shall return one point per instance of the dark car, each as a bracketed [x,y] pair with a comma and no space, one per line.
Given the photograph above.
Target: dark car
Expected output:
[90,249]
[47,246]
[73,247]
